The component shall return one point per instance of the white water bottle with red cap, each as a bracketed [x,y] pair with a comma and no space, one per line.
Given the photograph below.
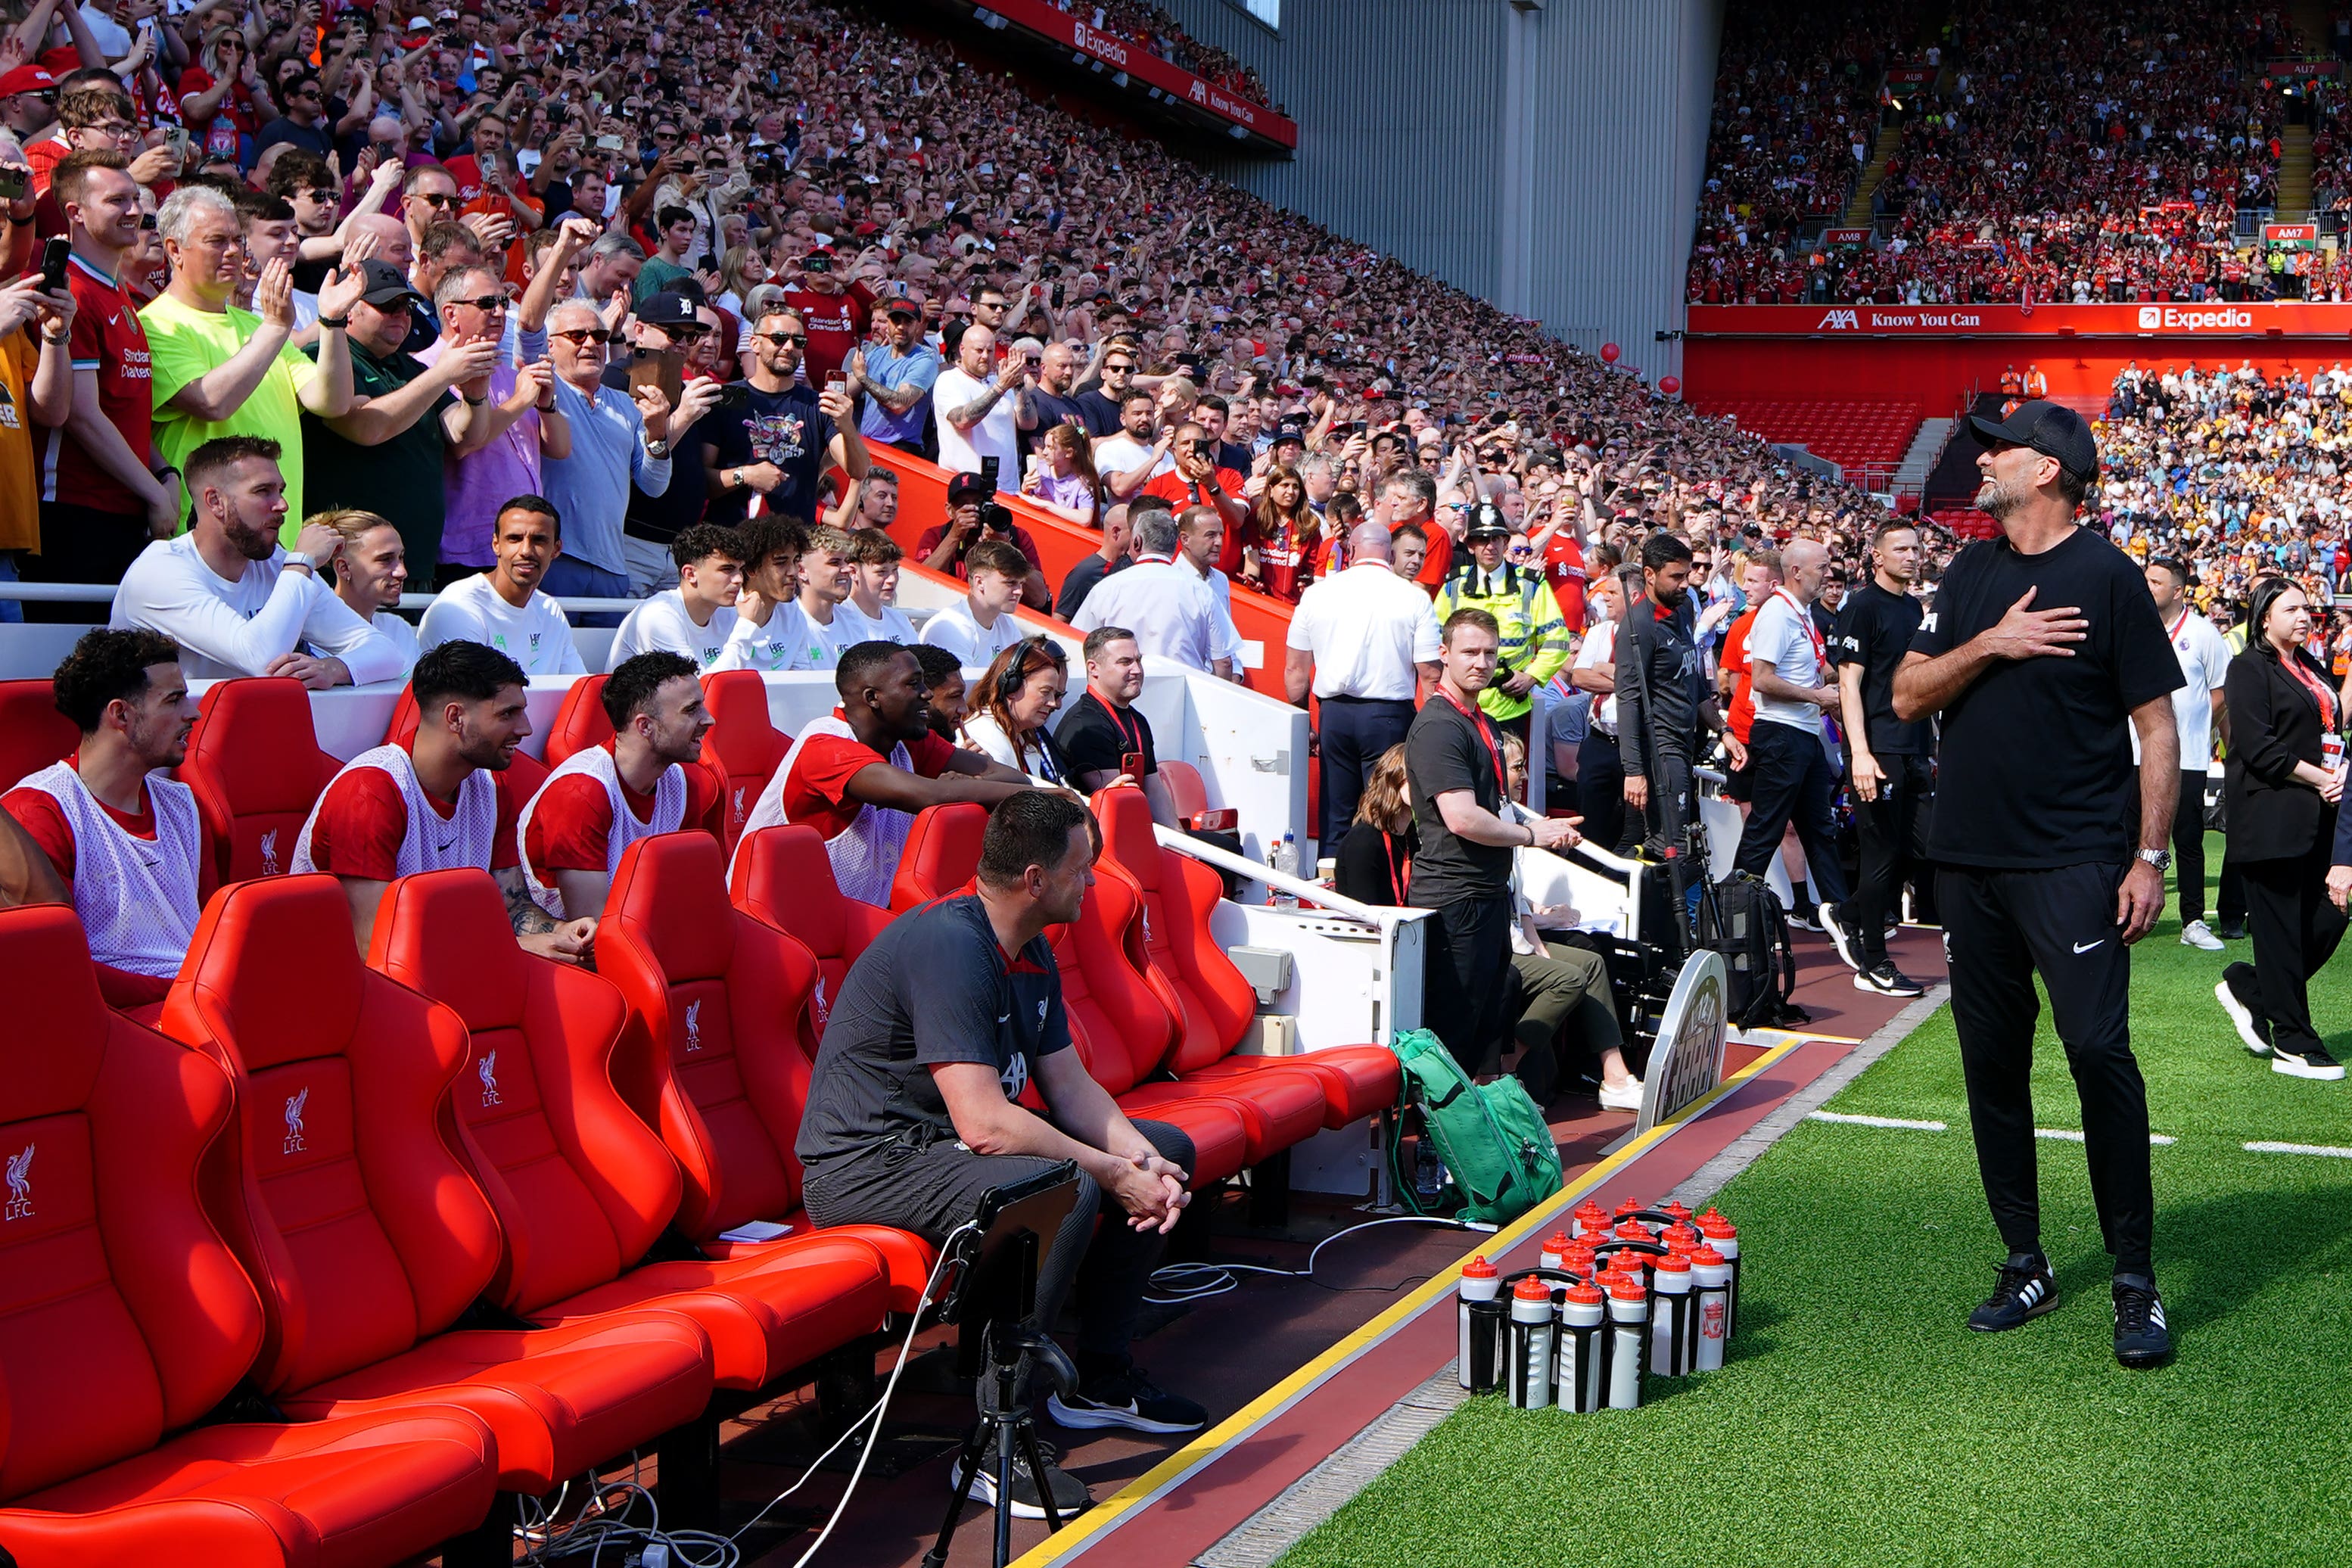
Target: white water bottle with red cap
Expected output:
[1554,1248]
[1670,1322]
[1723,1236]
[1577,1384]
[1711,1296]
[1628,1340]
[1531,1346]
[1480,1285]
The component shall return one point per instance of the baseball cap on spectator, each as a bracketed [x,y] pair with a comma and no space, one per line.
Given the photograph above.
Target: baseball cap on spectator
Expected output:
[26,78]
[387,284]
[900,305]
[969,488]
[2051,429]
[1290,434]
[420,33]
[668,308]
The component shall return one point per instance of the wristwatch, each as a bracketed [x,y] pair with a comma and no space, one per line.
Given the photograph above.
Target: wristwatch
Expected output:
[656,450]
[2159,858]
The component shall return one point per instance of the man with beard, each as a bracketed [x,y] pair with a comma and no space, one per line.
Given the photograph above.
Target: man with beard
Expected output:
[438,800]
[125,836]
[1887,756]
[236,603]
[2044,655]
[1663,707]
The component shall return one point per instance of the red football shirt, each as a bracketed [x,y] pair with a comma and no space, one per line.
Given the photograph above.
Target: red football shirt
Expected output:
[363,820]
[106,338]
[37,813]
[1564,570]
[572,826]
[837,324]
[1743,690]
[817,789]
[1180,492]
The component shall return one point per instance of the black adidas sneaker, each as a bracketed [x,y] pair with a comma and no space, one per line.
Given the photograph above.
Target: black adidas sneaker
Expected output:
[2141,1337]
[2027,1290]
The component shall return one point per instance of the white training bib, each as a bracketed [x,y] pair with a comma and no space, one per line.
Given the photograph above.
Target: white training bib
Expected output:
[596,762]
[136,897]
[432,842]
[865,855]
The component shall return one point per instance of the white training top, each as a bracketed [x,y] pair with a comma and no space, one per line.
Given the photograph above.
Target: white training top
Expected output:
[1783,637]
[1369,629]
[858,627]
[432,842]
[227,628]
[2204,666]
[955,629]
[536,637]
[1599,651]
[789,640]
[663,625]
[596,761]
[136,897]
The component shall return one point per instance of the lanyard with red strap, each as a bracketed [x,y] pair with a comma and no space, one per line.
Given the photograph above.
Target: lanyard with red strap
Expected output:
[1400,873]
[2320,694]
[1129,743]
[1813,632]
[1485,733]
[2172,633]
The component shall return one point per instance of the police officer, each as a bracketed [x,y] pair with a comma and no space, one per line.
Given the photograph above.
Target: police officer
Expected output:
[1534,645]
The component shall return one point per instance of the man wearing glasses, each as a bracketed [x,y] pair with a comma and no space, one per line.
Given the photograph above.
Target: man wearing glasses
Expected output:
[786,433]
[897,377]
[28,102]
[1098,404]
[304,121]
[428,197]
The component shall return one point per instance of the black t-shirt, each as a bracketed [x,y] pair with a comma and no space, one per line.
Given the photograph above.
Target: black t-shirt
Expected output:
[933,987]
[1874,631]
[1082,580]
[1100,414]
[1094,738]
[1373,866]
[786,428]
[2036,752]
[1447,750]
[664,517]
[1050,411]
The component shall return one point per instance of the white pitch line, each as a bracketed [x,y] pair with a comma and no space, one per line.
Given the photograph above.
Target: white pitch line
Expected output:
[2068,1135]
[2320,1149]
[1878,1122]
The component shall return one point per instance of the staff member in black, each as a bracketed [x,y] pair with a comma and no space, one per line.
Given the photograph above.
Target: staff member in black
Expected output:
[1663,707]
[2283,790]
[1453,762]
[2042,652]
[1886,756]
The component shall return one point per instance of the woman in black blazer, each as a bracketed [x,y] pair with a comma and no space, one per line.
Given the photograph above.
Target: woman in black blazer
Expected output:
[2285,779]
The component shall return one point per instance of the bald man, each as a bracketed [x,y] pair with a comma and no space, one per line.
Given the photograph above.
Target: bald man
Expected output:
[1364,641]
[1788,768]
[981,409]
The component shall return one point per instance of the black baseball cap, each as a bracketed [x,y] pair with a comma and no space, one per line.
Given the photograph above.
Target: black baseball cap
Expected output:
[387,284]
[1290,431]
[2051,429]
[969,488]
[668,308]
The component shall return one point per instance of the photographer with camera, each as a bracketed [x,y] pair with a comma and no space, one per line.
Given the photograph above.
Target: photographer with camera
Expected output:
[975,517]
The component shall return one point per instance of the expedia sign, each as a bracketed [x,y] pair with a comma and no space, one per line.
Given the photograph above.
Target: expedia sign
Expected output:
[2287,318]
[1050,22]
[1102,46]
[1686,1063]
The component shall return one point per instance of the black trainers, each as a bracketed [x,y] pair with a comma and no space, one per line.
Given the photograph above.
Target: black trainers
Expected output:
[2313,1061]
[2026,1292]
[1126,1398]
[1070,1494]
[2231,930]
[2141,1337]
[2236,994]
[1887,979]
[1847,943]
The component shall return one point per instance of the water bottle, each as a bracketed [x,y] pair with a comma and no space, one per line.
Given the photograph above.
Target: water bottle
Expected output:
[1590,1219]
[1428,1170]
[1286,862]
[1723,1236]
[1554,1249]
[1579,1259]
[1711,1289]
[1628,1336]
[1480,1285]
[1578,1384]
[1531,1346]
[1670,1326]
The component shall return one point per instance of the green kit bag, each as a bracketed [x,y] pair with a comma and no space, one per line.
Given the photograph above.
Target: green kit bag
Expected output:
[1492,1136]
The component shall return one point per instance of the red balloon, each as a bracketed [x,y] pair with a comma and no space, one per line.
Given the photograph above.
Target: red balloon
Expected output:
[1608,352]
[1669,386]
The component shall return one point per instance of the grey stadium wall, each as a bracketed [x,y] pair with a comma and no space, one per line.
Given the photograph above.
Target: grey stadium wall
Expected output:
[1544,154]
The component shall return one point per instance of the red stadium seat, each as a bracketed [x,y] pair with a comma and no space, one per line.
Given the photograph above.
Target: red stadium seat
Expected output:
[781,875]
[743,747]
[1185,789]
[402,728]
[941,854]
[254,765]
[581,722]
[1200,983]
[33,733]
[714,1059]
[342,1196]
[129,1320]
[581,1186]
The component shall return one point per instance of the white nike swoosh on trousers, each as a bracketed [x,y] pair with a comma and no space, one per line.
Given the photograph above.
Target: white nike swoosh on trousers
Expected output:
[2087,946]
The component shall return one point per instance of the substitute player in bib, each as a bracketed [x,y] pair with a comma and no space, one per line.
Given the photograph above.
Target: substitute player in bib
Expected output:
[2043,653]
[439,800]
[648,779]
[859,776]
[125,837]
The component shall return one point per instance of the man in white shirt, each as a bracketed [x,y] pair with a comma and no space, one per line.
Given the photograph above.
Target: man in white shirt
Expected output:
[1789,773]
[1200,542]
[981,625]
[979,413]
[371,570]
[1135,456]
[871,613]
[1169,605]
[1365,643]
[772,632]
[826,578]
[234,601]
[503,608]
[695,617]
[2201,714]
